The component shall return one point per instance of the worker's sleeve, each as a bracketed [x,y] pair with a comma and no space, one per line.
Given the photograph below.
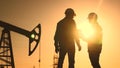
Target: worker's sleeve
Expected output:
[99,29]
[56,37]
[76,33]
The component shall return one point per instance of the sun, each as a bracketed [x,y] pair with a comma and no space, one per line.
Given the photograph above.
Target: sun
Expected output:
[86,30]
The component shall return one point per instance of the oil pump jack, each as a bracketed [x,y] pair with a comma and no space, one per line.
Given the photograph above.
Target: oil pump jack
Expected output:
[6,51]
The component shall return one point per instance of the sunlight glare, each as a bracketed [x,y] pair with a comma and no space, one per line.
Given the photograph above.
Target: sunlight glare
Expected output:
[86,30]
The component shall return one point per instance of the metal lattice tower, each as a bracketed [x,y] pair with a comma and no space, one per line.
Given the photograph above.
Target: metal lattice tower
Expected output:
[6,53]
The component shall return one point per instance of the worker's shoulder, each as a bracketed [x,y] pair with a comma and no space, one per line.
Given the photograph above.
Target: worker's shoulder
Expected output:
[61,22]
[65,21]
[98,26]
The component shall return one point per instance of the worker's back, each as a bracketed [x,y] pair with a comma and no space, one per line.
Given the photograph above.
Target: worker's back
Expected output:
[66,33]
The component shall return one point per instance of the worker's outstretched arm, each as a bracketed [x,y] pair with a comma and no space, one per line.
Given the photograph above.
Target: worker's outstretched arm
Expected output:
[56,39]
[77,39]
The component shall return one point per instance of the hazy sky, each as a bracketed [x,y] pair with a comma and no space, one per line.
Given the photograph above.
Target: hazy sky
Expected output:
[28,13]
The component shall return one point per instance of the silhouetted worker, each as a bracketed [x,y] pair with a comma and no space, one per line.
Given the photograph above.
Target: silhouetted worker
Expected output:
[95,43]
[65,38]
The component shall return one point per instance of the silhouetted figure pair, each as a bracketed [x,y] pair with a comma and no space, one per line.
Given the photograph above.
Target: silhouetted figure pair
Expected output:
[65,37]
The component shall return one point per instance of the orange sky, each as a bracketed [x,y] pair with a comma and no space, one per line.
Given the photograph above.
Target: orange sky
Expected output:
[27,14]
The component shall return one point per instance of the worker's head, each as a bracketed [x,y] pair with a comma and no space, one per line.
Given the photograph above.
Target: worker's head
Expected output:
[92,17]
[70,12]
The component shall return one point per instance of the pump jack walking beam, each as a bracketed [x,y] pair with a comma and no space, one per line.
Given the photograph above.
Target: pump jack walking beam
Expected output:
[34,38]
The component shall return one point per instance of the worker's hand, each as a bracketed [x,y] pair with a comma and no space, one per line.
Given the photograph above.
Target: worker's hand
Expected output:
[79,48]
[56,46]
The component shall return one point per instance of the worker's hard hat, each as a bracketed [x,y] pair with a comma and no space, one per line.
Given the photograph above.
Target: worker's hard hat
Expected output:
[91,15]
[70,11]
